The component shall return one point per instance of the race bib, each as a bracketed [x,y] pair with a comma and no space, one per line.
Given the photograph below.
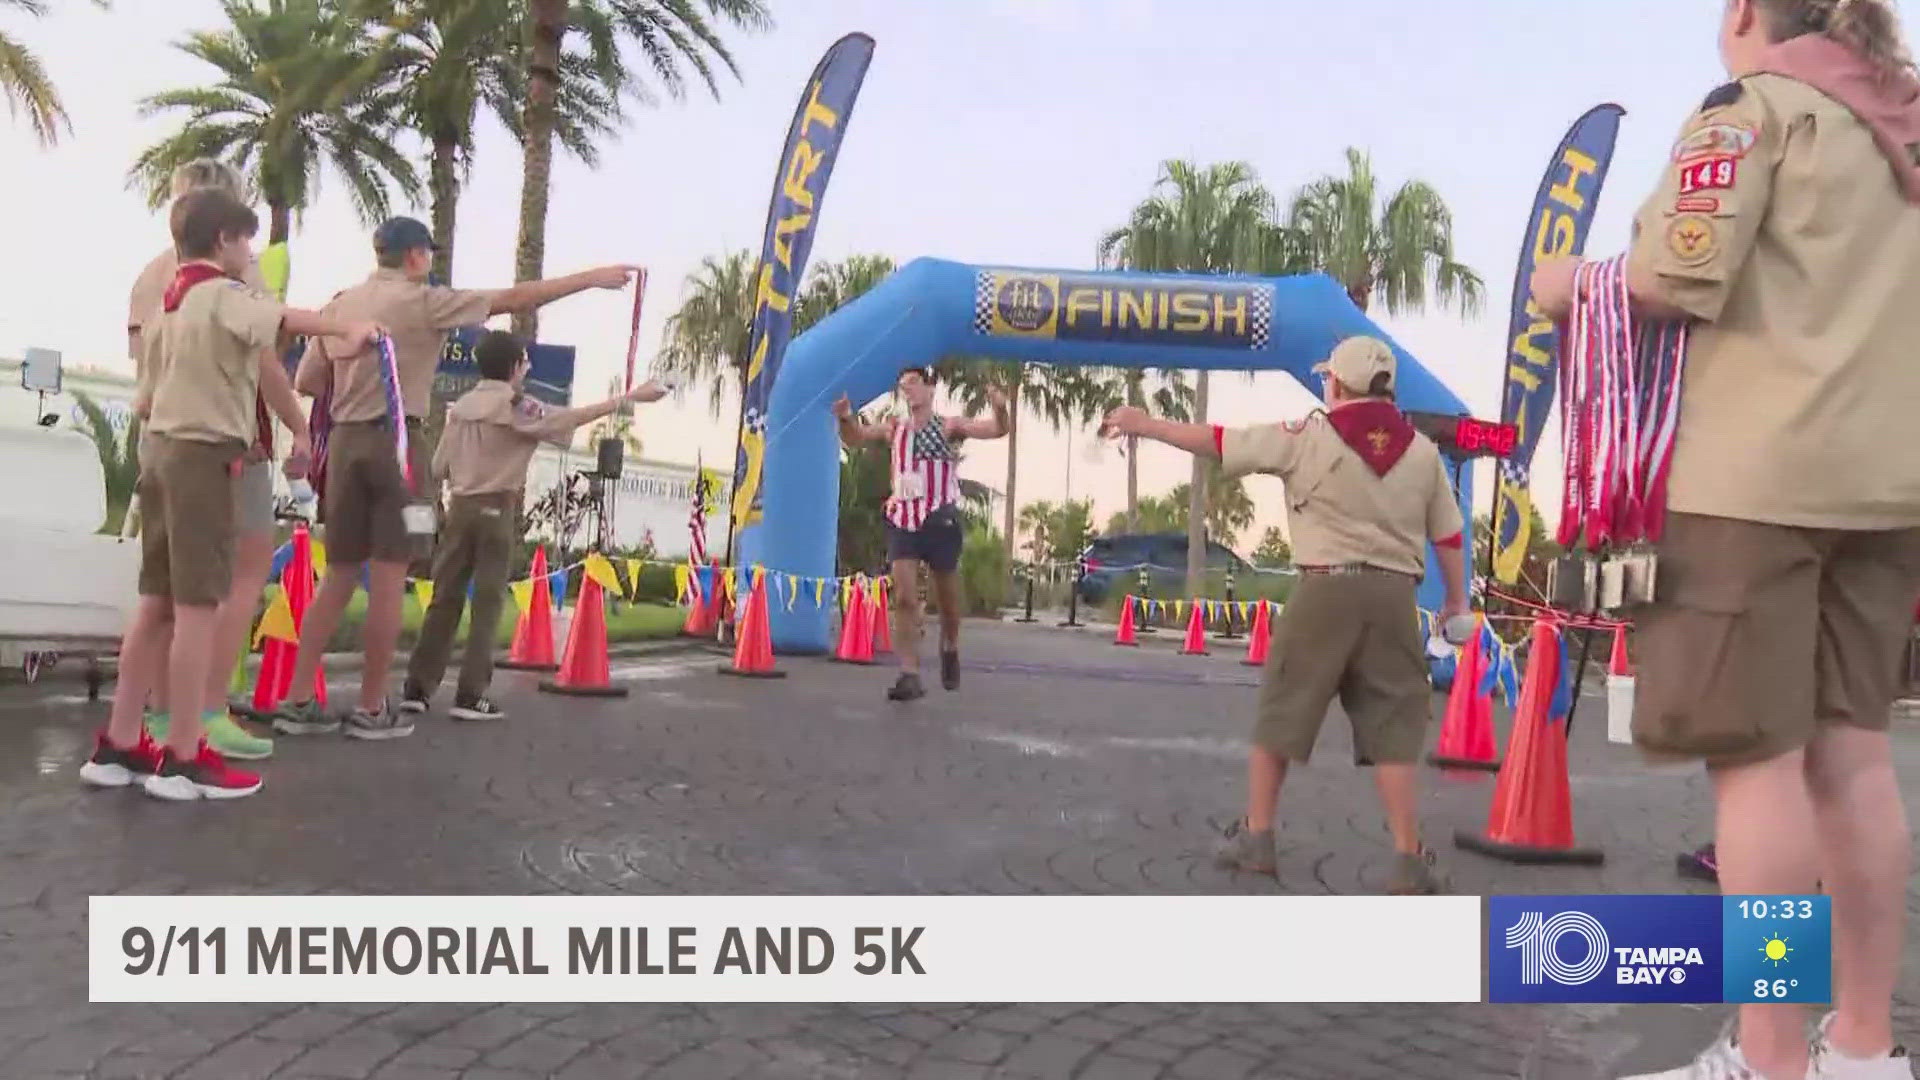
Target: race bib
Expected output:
[909,485]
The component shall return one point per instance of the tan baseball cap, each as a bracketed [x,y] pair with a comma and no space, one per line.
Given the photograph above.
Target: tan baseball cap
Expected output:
[1357,360]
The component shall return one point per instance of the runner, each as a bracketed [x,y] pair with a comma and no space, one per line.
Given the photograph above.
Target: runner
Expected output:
[1787,229]
[1365,495]
[492,432]
[924,523]
[253,486]
[201,359]
[368,498]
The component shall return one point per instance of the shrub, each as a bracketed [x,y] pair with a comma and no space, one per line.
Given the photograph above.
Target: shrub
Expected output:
[983,571]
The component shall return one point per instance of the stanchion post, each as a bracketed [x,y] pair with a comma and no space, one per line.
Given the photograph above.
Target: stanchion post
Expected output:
[1229,634]
[1580,674]
[1028,617]
[1073,593]
[1146,597]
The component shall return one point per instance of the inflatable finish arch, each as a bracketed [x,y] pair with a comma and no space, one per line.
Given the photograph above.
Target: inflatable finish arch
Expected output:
[932,309]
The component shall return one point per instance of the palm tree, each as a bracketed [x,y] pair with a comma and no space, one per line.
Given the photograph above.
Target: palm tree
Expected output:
[617,426]
[1163,391]
[25,84]
[833,285]
[447,58]
[1229,507]
[119,458]
[1401,252]
[1154,514]
[293,93]
[671,37]
[1211,220]
[706,340]
[1060,396]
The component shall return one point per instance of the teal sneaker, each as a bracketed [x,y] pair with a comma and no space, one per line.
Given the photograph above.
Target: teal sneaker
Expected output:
[157,726]
[303,718]
[226,735]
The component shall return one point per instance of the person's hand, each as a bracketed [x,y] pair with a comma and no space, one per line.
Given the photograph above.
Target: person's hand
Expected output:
[843,409]
[997,398]
[646,392]
[299,458]
[1454,625]
[1123,421]
[612,277]
[1553,285]
[361,335]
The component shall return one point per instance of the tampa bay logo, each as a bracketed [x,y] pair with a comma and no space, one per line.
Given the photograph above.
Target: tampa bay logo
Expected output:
[1538,939]
[1025,304]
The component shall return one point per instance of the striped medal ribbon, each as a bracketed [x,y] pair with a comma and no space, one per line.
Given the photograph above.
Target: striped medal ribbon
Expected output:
[396,411]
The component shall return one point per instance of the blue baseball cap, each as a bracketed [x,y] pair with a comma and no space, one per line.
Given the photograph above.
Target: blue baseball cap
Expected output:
[402,234]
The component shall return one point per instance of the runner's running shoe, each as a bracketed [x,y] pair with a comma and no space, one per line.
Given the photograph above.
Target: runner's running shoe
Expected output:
[117,767]
[205,776]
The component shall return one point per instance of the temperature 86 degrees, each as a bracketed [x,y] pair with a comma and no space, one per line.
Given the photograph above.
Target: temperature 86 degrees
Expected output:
[1767,990]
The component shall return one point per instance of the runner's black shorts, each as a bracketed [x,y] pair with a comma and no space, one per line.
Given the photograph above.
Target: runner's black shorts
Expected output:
[936,542]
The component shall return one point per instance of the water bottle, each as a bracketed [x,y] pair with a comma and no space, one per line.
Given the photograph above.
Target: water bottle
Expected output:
[1458,629]
[303,496]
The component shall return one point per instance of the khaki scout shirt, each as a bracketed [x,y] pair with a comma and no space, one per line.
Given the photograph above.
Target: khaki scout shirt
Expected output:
[418,317]
[491,434]
[1780,225]
[206,356]
[1339,512]
[150,291]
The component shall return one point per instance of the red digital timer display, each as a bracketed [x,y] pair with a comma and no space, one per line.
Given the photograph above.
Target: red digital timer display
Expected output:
[1485,437]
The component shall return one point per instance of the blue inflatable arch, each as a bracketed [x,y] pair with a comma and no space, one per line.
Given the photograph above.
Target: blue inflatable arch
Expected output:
[932,309]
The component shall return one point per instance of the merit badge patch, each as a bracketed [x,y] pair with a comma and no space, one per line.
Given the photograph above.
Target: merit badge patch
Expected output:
[1714,140]
[1696,205]
[1692,239]
[1708,174]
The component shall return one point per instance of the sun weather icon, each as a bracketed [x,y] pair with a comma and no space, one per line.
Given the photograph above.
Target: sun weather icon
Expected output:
[1776,949]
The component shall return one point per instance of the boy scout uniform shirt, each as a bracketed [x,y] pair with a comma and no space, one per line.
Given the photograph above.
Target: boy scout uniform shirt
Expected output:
[206,354]
[1780,224]
[417,316]
[149,293]
[1339,513]
[492,432]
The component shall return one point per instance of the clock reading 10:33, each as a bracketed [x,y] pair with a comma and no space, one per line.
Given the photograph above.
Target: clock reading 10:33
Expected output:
[1777,949]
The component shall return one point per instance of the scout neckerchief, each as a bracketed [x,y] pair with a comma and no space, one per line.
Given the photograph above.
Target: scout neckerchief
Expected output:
[1375,430]
[396,414]
[184,279]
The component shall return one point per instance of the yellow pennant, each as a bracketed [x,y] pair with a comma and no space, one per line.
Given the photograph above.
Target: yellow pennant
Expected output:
[277,622]
[522,595]
[319,556]
[819,592]
[1176,610]
[601,570]
[423,592]
[793,590]
[733,587]
[633,577]
[682,576]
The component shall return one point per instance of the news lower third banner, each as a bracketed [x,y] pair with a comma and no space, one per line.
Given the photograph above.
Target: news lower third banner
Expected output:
[958,949]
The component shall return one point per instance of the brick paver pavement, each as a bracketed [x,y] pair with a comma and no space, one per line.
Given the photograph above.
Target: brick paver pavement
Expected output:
[1064,766]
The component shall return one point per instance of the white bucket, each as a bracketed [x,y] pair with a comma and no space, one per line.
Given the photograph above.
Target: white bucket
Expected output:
[1620,709]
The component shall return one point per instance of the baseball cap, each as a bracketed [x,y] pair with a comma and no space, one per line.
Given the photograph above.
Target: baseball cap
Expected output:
[1357,360]
[402,234]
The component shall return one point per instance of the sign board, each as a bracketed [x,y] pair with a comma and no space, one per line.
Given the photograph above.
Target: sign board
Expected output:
[550,380]
[40,371]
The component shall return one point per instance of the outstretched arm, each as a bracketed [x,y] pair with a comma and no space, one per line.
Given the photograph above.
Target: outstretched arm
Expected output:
[852,431]
[1201,440]
[992,427]
[531,295]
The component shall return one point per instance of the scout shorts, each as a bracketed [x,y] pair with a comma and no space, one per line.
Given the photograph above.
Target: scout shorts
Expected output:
[186,536]
[936,542]
[1356,637]
[252,491]
[367,496]
[1760,634]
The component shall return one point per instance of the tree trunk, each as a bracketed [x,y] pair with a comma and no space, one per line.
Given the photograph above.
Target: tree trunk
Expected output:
[1133,483]
[1197,502]
[549,24]
[279,222]
[1013,458]
[443,181]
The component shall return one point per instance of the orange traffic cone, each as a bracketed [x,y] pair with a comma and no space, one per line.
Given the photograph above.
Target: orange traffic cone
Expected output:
[856,629]
[1531,819]
[532,648]
[583,668]
[1618,664]
[880,638]
[1126,634]
[703,607]
[753,656]
[1466,732]
[1258,636]
[1196,643]
[275,679]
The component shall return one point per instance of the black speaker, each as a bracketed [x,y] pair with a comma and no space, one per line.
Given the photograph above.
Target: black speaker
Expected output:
[612,452]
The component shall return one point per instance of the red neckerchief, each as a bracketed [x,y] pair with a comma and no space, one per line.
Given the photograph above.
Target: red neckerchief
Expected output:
[184,279]
[1375,430]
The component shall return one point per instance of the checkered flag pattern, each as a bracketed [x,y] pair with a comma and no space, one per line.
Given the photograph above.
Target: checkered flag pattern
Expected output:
[1262,317]
[983,302]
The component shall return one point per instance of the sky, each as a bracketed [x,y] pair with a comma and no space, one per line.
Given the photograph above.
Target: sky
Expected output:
[994,131]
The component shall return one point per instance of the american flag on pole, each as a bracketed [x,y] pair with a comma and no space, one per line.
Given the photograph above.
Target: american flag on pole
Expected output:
[697,520]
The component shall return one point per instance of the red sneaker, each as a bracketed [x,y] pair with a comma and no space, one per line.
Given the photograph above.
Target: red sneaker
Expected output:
[206,776]
[116,767]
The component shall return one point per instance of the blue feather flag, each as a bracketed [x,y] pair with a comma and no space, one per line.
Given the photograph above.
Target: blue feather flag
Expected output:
[1562,704]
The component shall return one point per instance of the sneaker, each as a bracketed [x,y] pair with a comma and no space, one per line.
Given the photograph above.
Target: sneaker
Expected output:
[114,767]
[156,725]
[413,700]
[477,709]
[226,735]
[381,724]
[1248,851]
[950,669]
[1721,1061]
[906,688]
[1415,875]
[1831,1064]
[206,776]
[303,718]
[1702,865]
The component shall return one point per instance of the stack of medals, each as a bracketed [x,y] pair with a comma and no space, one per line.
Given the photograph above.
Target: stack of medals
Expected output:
[1619,406]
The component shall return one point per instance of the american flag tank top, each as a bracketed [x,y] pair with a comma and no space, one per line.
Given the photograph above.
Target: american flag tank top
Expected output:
[926,473]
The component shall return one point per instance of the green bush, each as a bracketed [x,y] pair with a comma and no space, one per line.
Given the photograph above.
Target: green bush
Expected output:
[983,571]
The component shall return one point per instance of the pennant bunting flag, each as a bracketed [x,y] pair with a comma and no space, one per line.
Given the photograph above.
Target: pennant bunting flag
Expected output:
[423,592]
[819,592]
[681,576]
[793,590]
[319,556]
[277,622]
[522,595]
[600,570]
[633,576]
[557,586]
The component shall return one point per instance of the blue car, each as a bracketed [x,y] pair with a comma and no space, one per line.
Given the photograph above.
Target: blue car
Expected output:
[1114,562]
